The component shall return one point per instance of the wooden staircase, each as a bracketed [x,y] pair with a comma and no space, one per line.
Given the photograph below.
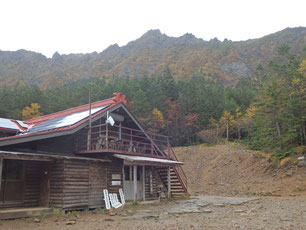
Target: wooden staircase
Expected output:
[178,188]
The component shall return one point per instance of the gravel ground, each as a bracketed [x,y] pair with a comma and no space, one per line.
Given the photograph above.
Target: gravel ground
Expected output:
[213,213]
[223,170]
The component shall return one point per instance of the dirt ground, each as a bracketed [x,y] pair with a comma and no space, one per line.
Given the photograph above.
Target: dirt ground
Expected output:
[261,213]
[231,188]
[230,170]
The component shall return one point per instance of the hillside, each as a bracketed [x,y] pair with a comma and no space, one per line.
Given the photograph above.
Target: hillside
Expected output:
[228,169]
[226,61]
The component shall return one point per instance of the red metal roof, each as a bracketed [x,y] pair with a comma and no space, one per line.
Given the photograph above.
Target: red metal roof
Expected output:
[118,98]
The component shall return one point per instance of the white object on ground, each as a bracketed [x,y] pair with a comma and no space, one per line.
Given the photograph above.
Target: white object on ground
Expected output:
[122,198]
[112,200]
[117,203]
[106,199]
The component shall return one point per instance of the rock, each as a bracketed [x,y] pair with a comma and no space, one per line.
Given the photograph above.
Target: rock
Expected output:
[112,214]
[108,219]
[70,222]
[207,211]
[301,164]
[56,220]
[288,174]
[286,219]
[36,220]
[239,211]
[78,216]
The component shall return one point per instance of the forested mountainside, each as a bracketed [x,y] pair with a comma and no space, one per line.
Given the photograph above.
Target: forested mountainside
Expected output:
[225,61]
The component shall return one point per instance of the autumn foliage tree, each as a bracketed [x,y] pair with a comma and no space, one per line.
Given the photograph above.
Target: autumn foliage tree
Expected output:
[31,112]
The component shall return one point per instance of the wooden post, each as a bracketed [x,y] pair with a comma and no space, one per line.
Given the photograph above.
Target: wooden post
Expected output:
[143,183]
[135,183]
[120,132]
[168,145]
[1,166]
[169,183]
[106,138]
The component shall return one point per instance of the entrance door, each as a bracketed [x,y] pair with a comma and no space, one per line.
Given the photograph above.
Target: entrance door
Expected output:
[12,184]
[128,183]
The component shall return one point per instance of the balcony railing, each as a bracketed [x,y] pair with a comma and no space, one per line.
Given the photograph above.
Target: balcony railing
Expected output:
[122,139]
[106,138]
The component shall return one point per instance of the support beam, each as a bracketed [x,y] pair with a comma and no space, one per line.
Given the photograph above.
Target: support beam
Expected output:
[1,166]
[143,183]
[169,183]
[135,183]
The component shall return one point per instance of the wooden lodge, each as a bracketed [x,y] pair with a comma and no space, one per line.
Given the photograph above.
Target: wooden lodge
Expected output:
[65,159]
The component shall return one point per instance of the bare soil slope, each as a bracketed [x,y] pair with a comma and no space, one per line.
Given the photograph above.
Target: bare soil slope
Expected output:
[230,169]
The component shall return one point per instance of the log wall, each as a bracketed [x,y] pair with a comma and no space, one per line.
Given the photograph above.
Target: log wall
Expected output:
[115,167]
[97,182]
[76,184]
[57,184]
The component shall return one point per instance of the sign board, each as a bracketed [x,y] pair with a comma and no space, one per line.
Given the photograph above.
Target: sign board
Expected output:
[116,176]
[114,182]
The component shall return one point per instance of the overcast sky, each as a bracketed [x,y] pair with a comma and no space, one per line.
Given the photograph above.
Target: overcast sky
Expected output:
[66,26]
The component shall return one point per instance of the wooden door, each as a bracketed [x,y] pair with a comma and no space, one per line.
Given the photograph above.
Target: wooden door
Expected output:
[97,182]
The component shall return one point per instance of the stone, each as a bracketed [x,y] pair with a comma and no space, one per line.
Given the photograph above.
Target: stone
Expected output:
[239,211]
[108,219]
[112,214]
[207,211]
[288,174]
[36,220]
[286,219]
[70,222]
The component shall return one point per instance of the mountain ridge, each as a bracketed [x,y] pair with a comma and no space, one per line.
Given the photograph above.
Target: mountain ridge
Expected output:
[226,61]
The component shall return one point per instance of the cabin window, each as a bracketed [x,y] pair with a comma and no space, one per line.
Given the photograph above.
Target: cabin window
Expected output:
[129,175]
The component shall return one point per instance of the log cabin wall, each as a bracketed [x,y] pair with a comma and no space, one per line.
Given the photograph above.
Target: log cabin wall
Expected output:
[114,168]
[57,184]
[97,182]
[76,184]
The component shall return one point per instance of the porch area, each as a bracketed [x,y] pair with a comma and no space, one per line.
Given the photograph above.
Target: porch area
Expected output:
[123,142]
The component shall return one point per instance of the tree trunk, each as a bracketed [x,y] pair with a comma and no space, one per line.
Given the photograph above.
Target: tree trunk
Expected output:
[278,128]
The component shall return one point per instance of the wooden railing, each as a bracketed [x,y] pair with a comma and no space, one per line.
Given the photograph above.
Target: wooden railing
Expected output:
[124,139]
[119,138]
